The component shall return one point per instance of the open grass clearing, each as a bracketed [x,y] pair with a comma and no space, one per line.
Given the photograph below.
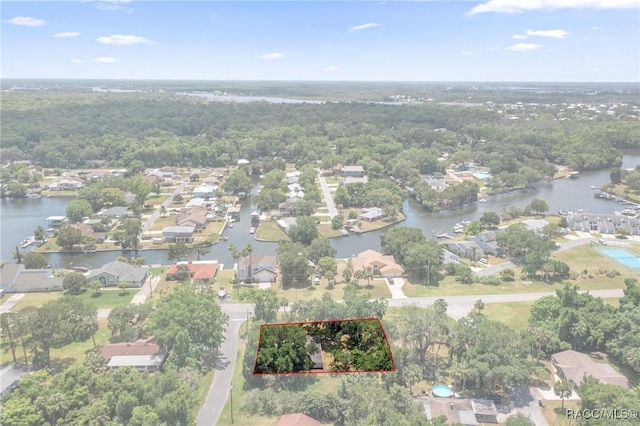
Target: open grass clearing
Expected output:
[270,231]
[325,231]
[377,289]
[514,315]
[555,415]
[162,222]
[107,297]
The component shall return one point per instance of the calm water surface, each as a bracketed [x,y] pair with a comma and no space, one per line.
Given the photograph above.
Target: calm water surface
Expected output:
[18,219]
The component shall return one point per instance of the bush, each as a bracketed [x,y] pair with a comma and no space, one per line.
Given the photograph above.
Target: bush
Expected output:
[507,275]
[450,268]
[490,280]
[171,277]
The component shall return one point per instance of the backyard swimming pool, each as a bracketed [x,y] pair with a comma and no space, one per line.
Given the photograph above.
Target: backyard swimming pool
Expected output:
[442,391]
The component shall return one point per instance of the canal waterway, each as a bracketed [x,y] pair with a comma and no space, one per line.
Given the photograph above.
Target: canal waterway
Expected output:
[18,219]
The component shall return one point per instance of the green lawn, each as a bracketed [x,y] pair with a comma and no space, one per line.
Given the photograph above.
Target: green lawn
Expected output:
[270,231]
[515,314]
[325,230]
[108,298]
[377,289]
[36,300]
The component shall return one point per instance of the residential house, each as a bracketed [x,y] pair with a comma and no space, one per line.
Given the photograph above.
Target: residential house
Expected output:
[297,419]
[487,242]
[353,171]
[294,187]
[353,179]
[466,249]
[288,208]
[257,267]
[66,185]
[87,231]
[286,223]
[204,270]
[15,278]
[116,272]
[371,214]
[299,194]
[213,181]
[144,355]
[536,225]
[196,217]
[151,178]
[195,202]
[294,174]
[379,264]
[178,234]
[116,212]
[219,172]
[437,184]
[233,212]
[576,366]
[204,191]
[292,180]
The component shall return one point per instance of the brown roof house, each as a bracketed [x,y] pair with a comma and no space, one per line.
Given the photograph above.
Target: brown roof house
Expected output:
[297,419]
[193,216]
[87,230]
[384,265]
[144,355]
[257,267]
[199,270]
[575,366]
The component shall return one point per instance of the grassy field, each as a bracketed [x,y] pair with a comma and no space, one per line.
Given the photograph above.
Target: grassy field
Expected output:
[210,233]
[74,353]
[162,222]
[103,300]
[270,231]
[555,415]
[325,230]
[156,200]
[514,315]
[377,289]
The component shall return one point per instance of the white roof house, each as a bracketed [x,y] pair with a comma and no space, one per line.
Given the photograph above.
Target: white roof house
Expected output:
[140,362]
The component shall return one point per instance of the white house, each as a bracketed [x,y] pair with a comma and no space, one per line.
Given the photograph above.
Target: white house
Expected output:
[257,267]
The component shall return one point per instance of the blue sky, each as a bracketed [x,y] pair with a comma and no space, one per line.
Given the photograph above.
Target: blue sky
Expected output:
[491,40]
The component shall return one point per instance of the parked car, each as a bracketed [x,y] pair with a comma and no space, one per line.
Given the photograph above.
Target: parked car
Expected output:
[316,280]
[222,294]
[390,281]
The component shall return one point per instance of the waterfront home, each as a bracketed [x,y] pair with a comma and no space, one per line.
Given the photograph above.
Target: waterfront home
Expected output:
[204,270]
[286,223]
[65,185]
[178,234]
[116,272]
[196,217]
[575,366]
[376,262]
[87,231]
[487,242]
[195,202]
[115,212]
[143,355]
[288,208]
[204,191]
[437,184]
[467,249]
[257,267]
[233,212]
[55,221]
[371,214]
[15,278]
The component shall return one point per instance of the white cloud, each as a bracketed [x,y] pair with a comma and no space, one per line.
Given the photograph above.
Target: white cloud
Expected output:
[520,6]
[66,35]
[331,69]
[521,47]
[274,55]
[467,53]
[104,60]
[77,61]
[548,33]
[26,21]
[519,37]
[364,27]
[124,40]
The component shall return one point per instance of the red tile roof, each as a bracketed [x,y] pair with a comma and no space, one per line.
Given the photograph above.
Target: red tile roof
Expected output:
[199,271]
[297,419]
[139,347]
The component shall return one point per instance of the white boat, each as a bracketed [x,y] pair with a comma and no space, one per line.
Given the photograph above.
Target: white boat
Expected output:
[482,200]
[34,196]
[252,230]
[594,187]
[28,241]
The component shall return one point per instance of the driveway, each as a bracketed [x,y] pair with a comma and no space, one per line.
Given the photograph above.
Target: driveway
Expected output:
[328,198]
[525,401]
[144,292]
[396,288]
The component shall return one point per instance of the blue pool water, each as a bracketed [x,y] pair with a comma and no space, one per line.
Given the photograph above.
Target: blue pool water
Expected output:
[623,257]
[442,391]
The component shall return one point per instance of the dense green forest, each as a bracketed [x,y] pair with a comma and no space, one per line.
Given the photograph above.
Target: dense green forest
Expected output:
[71,129]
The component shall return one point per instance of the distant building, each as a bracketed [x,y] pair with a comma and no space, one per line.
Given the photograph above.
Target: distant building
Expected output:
[437,184]
[116,272]
[286,223]
[66,185]
[196,217]
[55,221]
[87,231]
[204,270]
[487,242]
[116,212]
[297,419]
[371,214]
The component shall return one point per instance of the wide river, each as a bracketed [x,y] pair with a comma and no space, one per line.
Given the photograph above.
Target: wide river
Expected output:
[18,219]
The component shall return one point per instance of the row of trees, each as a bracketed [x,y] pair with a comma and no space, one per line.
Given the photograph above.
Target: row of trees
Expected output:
[422,258]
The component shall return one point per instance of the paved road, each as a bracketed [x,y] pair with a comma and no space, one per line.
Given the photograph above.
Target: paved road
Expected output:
[525,401]
[225,367]
[144,292]
[146,226]
[328,198]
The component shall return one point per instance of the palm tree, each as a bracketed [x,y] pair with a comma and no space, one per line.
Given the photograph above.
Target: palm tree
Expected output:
[411,375]
[95,285]
[347,275]
[563,389]
[248,250]
[368,274]
[358,274]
